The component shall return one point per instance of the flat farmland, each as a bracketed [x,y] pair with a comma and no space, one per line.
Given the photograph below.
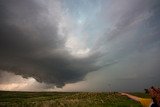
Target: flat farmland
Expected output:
[66,99]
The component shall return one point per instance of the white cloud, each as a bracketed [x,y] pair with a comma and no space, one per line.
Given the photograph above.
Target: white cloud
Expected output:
[76,47]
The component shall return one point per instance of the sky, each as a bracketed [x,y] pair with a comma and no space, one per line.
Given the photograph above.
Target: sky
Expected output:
[79,45]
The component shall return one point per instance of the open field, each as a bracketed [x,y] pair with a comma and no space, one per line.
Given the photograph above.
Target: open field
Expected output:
[66,99]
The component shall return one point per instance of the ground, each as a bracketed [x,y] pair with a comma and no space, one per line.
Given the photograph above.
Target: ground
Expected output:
[66,99]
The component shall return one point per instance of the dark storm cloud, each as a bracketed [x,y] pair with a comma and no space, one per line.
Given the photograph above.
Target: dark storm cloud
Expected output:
[31,46]
[122,37]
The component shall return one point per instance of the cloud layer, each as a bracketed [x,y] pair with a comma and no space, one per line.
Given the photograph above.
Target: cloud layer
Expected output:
[60,42]
[32,43]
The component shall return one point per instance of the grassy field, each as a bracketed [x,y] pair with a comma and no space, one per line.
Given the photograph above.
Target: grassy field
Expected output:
[66,99]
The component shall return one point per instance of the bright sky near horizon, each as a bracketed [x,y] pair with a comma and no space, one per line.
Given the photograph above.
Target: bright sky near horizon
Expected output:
[79,45]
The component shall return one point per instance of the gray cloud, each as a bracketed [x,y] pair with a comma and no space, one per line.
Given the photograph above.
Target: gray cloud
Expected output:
[31,46]
[131,27]
[133,41]
[119,35]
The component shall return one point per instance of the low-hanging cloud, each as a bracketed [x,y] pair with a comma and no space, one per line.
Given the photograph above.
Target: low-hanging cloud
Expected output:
[58,42]
[31,45]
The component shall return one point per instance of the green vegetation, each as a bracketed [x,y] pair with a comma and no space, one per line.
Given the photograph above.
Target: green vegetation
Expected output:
[66,99]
